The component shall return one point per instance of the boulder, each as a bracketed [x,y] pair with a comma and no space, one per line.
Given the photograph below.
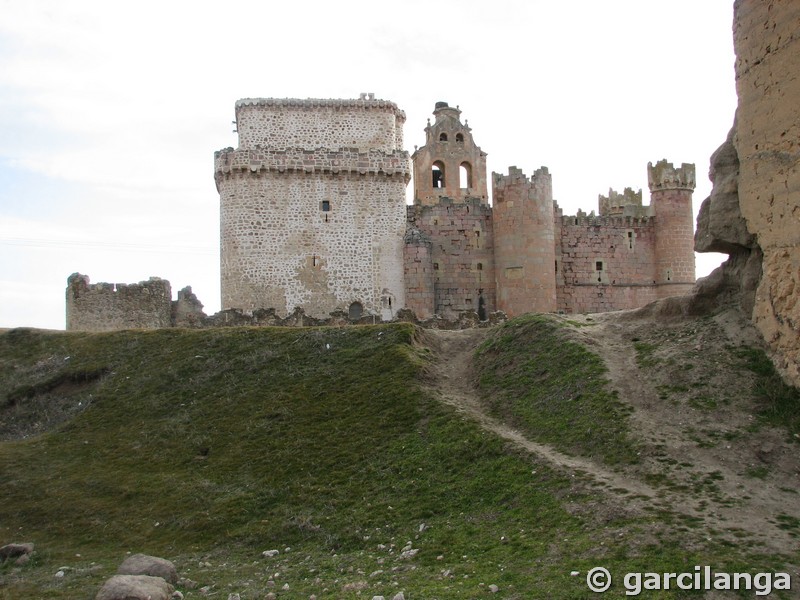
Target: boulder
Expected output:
[142,564]
[135,587]
[15,550]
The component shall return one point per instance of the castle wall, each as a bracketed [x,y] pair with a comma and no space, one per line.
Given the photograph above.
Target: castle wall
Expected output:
[605,263]
[418,273]
[312,207]
[525,242]
[462,253]
[280,250]
[109,307]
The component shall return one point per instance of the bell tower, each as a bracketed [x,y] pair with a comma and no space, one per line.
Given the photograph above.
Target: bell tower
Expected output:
[449,165]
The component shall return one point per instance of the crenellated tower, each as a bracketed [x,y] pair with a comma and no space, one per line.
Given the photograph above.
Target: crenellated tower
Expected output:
[312,207]
[671,204]
[524,241]
[450,164]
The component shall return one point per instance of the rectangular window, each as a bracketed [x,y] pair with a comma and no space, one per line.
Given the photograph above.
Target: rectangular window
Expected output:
[325,206]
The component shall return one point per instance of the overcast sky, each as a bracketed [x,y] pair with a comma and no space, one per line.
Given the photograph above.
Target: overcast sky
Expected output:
[110,112]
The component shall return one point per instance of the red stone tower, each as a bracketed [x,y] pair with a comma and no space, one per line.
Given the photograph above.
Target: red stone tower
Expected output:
[524,242]
[671,202]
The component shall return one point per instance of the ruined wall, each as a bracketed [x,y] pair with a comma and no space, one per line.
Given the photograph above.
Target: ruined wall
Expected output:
[605,263]
[109,306]
[462,253]
[767,140]
[525,242]
[312,207]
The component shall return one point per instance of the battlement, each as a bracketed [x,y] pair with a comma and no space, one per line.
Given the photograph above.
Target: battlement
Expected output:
[616,203]
[366,101]
[280,123]
[321,160]
[540,184]
[592,220]
[516,176]
[664,176]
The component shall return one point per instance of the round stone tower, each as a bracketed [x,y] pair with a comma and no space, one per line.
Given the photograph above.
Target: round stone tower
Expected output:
[671,202]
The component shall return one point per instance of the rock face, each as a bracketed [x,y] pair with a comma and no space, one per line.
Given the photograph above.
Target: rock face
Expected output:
[142,564]
[721,228]
[753,213]
[767,140]
[135,587]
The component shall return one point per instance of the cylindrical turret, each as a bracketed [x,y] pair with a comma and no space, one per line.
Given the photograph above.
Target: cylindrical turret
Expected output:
[671,202]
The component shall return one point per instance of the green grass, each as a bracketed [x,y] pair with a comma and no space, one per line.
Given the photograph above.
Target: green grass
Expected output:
[645,354]
[534,377]
[779,403]
[209,447]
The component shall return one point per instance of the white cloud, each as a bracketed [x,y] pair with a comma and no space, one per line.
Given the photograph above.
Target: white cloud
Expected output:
[110,113]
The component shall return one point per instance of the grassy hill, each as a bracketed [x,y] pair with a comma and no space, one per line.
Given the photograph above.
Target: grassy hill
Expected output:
[209,447]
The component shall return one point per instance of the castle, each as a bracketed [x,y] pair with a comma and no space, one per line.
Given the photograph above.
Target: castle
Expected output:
[313,215]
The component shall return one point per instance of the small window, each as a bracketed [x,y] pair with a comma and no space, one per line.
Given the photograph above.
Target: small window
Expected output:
[435,266]
[442,137]
[598,266]
[480,266]
[460,138]
[325,205]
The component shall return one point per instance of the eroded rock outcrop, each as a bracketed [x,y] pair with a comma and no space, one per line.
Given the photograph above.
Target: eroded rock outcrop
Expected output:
[753,213]
[767,141]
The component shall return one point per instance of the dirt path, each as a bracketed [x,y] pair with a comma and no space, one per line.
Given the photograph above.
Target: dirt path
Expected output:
[451,378]
[703,462]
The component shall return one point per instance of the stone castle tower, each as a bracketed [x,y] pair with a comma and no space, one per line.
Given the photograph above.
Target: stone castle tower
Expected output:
[671,200]
[312,207]
[449,253]
[525,244]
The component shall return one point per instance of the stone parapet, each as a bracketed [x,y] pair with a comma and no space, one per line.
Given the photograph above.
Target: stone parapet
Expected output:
[321,160]
[365,102]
